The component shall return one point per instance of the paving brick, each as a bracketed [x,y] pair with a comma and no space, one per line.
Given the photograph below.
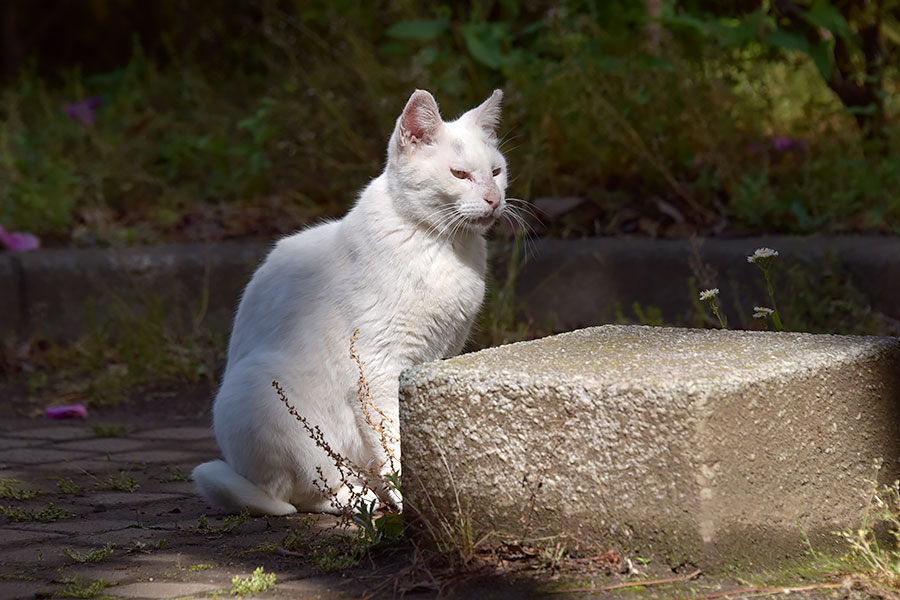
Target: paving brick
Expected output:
[115,574]
[153,590]
[110,445]
[10,536]
[12,442]
[33,456]
[88,524]
[55,433]
[43,554]
[176,433]
[164,457]
[122,538]
[94,464]
[25,590]
[116,498]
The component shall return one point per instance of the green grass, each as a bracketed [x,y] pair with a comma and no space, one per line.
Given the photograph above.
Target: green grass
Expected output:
[122,482]
[79,587]
[229,524]
[10,489]
[258,583]
[136,345]
[111,431]
[67,486]
[174,474]
[48,514]
[94,555]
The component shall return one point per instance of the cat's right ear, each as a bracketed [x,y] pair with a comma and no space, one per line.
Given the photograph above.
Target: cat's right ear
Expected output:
[420,121]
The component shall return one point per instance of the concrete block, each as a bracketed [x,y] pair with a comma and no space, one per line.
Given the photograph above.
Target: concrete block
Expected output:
[697,446]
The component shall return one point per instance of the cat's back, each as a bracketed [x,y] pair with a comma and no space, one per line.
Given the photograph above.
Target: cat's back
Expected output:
[285,287]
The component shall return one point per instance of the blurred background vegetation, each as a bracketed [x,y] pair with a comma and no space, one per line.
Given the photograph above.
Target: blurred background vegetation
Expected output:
[136,122]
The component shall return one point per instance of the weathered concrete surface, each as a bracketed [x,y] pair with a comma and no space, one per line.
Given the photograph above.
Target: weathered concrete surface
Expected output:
[700,446]
[55,293]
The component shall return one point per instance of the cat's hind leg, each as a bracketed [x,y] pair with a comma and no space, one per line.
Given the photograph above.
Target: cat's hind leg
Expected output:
[223,487]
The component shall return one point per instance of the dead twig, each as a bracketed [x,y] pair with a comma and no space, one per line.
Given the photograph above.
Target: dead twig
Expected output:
[617,586]
[747,592]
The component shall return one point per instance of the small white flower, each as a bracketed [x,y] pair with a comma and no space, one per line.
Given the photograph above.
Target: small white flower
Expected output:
[761,312]
[709,294]
[762,253]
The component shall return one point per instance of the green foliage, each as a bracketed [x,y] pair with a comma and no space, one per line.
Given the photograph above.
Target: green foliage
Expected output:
[139,547]
[387,528]
[820,297]
[79,587]
[135,345]
[92,556]
[258,583]
[10,490]
[174,474]
[67,486]
[123,482]
[651,315]
[229,524]
[189,144]
[48,514]
[111,431]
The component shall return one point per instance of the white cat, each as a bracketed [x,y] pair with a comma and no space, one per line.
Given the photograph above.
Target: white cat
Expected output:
[406,266]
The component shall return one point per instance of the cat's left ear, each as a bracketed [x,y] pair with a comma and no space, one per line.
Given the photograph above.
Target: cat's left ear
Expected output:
[487,114]
[420,121]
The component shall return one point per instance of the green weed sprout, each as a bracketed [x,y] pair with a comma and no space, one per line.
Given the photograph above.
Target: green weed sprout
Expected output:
[257,583]
[763,258]
[709,296]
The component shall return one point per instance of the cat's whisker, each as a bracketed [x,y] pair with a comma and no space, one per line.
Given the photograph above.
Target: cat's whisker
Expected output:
[508,137]
[525,206]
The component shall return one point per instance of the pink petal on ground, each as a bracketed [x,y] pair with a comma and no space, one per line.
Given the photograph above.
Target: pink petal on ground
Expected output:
[70,411]
[18,241]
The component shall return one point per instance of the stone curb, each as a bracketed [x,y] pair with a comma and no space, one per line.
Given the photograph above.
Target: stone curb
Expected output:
[61,294]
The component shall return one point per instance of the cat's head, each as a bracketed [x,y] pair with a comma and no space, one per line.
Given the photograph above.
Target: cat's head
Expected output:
[448,176]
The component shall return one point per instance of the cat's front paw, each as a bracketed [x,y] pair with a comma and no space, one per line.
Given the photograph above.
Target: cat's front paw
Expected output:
[391,497]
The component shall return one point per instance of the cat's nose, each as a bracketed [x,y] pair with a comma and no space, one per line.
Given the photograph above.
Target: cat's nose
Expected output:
[493,197]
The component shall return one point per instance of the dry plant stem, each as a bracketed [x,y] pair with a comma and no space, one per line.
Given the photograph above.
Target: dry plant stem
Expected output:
[366,402]
[618,586]
[750,592]
[346,469]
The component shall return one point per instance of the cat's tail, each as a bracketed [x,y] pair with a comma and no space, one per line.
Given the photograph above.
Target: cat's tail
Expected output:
[223,487]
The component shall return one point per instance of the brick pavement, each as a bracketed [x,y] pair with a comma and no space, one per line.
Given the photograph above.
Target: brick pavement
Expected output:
[156,548]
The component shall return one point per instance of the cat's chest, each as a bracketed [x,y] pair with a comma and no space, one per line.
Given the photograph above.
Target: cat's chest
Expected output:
[428,300]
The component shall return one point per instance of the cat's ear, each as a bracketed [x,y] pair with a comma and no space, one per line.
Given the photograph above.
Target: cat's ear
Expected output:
[487,114]
[420,121]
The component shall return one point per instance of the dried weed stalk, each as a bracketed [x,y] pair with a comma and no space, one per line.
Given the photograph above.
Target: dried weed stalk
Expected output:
[355,478]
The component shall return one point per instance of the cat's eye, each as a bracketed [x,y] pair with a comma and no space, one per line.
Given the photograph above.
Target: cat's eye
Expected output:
[459,174]
[496,171]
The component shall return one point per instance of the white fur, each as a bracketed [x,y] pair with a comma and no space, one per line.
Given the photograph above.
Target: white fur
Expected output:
[406,266]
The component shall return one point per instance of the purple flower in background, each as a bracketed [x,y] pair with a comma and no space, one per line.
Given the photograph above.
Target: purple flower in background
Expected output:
[83,111]
[14,240]
[71,411]
[783,143]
